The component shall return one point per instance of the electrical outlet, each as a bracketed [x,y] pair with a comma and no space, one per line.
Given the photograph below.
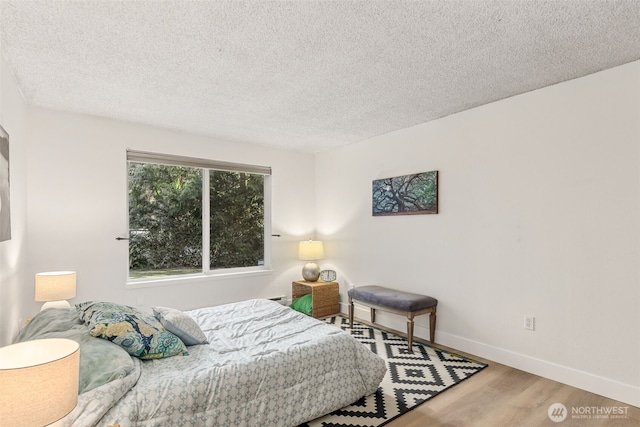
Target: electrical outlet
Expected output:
[530,323]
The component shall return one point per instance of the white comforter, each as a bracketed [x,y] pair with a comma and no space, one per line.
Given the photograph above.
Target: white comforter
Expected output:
[266,365]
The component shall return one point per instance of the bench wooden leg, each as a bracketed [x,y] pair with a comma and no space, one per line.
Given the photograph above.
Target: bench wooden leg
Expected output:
[350,312]
[432,326]
[410,331]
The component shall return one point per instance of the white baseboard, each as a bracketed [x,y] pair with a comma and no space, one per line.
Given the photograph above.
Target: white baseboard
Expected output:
[602,386]
[612,389]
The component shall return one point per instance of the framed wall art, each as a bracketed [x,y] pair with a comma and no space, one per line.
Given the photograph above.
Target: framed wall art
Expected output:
[5,210]
[415,194]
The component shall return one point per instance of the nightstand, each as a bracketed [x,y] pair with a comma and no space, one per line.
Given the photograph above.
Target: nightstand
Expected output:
[325,296]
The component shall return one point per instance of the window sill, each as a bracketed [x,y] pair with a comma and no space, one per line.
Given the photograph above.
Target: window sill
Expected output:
[195,278]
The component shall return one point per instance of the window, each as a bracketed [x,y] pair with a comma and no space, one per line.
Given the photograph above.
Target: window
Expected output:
[195,216]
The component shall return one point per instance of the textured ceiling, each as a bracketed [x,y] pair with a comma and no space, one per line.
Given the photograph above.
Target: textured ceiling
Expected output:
[306,75]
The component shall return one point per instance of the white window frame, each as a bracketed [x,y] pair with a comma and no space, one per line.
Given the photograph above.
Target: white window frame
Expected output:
[206,165]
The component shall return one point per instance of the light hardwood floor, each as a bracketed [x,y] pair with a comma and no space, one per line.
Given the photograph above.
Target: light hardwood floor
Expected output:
[500,396]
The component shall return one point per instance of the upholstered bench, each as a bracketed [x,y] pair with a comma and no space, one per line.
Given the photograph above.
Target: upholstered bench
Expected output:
[398,302]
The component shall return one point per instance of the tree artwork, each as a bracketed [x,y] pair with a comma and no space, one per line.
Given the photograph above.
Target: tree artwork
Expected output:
[406,195]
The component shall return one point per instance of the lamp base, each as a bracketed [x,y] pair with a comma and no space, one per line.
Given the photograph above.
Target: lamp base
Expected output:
[311,272]
[56,304]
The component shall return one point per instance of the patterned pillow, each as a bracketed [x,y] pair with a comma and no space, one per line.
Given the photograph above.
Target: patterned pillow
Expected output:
[139,333]
[180,324]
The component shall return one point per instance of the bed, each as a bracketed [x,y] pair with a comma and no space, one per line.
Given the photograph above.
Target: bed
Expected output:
[258,363]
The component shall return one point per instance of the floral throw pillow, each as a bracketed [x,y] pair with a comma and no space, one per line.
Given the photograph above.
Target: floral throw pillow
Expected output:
[139,333]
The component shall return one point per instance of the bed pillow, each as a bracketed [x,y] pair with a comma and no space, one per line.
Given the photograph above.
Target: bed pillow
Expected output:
[304,304]
[100,361]
[139,333]
[181,324]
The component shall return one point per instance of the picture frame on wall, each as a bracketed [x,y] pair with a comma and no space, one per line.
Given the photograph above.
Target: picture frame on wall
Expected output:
[5,208]
[415,194]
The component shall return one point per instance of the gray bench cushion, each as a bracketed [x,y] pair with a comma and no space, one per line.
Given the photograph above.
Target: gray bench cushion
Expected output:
[386,297]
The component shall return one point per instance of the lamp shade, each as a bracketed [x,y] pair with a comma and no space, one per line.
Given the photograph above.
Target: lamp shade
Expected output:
[39,381]
[55,285]
[310,250]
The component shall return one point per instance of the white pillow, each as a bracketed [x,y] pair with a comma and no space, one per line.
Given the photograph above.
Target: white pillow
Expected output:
[180,324]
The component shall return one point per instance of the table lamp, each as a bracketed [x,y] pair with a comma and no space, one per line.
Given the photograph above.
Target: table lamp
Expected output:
[310,250]
[39,381]
[55,287]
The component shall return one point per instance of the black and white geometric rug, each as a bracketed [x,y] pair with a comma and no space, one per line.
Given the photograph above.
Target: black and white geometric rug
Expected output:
[411,379]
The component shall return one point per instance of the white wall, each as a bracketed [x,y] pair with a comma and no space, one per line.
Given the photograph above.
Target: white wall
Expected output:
[539,215]
[77,207]
[15,288]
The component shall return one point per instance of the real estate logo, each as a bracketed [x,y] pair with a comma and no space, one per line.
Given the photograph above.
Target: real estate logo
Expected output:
[557,412]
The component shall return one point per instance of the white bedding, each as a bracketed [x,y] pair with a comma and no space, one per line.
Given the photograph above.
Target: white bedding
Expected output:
[266,365]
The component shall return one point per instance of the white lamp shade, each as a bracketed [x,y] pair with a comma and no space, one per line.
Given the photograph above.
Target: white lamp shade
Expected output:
[55,285]
[310,250]
[39,381]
